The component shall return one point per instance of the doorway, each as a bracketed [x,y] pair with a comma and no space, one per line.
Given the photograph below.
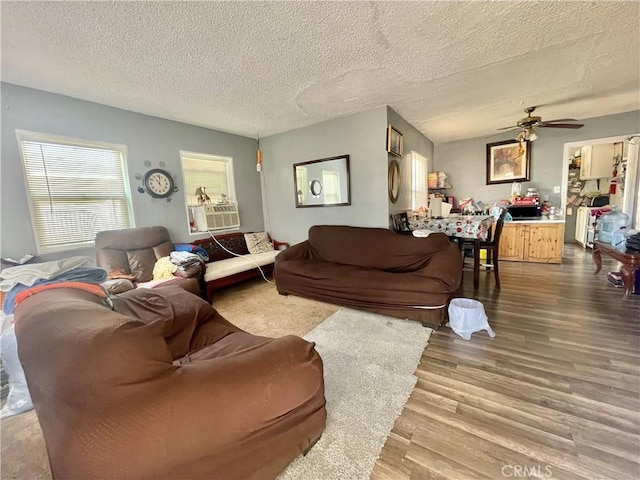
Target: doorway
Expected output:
[578,186]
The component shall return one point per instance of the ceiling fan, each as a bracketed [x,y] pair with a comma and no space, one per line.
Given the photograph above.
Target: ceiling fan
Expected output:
[528,123]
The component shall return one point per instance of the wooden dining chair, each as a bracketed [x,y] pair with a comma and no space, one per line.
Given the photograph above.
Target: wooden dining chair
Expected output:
[491,245]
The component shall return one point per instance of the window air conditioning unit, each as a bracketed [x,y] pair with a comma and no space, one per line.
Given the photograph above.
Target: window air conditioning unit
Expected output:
[215,217]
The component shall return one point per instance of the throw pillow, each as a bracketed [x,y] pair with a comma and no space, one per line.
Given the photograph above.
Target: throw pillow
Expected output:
[258,242]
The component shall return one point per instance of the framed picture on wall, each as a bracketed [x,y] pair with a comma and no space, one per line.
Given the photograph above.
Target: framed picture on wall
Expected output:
[394,141]
[508,161]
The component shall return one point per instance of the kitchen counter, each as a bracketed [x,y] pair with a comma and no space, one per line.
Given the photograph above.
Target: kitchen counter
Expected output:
[537,221]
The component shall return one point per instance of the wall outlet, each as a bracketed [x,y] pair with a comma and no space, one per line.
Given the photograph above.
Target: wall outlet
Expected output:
[556,189]
[569,211]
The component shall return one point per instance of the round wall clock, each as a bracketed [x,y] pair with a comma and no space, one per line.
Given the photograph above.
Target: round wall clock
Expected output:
[158,183]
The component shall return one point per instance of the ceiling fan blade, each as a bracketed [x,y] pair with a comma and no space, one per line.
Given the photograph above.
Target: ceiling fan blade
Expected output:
[560,120]
[508,128]
[561,125]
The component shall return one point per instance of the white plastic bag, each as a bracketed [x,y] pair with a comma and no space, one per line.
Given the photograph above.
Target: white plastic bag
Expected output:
[19,400]
[467,316]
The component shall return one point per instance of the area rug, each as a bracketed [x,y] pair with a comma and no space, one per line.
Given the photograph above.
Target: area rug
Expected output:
[369,361]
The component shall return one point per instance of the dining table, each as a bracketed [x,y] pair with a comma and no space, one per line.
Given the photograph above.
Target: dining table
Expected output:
[461,229]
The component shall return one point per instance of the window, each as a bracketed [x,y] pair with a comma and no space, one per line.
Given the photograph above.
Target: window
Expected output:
[301,182]
[331,182]
[419,169]
[76,188]
[209,192]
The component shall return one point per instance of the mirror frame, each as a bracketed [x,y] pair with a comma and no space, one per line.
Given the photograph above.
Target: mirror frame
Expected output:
[311,187]
[394,181]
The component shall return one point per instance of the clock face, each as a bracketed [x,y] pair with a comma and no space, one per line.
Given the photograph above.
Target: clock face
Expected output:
[158,183]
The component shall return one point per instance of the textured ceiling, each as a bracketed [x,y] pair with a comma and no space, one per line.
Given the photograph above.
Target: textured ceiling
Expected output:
[452,69]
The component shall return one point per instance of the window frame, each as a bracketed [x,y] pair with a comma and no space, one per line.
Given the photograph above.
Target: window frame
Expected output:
[47,138]
[231,185]
[415,189]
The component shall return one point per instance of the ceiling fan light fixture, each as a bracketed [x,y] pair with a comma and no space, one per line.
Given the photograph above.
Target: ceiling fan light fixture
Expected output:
[530,134]
[527,134]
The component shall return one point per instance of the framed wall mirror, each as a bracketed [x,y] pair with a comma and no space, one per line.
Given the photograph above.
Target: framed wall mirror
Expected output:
[322,183]
[394,181]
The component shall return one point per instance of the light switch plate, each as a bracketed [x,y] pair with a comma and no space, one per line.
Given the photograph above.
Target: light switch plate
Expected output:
[556,189]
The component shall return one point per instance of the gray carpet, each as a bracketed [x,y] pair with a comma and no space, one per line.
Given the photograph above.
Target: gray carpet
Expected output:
[369,361]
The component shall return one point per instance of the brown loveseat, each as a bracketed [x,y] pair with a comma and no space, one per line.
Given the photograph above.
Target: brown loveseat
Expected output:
[163,387]
[133,252]
[373,269]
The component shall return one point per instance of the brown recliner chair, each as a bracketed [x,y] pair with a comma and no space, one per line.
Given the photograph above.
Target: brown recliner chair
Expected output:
[134,252]
[163,387]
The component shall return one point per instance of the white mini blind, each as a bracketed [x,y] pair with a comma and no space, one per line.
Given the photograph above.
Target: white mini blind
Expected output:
[213,172]
[76,188]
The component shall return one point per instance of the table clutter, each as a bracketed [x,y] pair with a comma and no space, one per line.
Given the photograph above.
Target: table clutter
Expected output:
[460,226]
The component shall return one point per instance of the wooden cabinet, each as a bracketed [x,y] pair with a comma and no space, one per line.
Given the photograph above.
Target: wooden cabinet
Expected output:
[512,242]
[532,242]
[597,161]
[545,243]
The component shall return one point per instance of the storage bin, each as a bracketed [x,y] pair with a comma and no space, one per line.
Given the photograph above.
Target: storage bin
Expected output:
[467,316]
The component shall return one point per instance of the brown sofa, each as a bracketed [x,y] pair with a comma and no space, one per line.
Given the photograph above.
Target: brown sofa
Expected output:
[373,269]
[134,252]
[163,387]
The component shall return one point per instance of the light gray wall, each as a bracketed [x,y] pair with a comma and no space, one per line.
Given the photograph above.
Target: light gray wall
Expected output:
[413,141]
[362,136]
[147,138]
[465,160]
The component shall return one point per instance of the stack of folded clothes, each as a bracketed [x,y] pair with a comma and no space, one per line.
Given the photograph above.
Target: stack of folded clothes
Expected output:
[185,259]
[188,247]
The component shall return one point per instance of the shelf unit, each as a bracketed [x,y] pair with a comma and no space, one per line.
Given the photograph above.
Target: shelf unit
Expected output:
[443,192]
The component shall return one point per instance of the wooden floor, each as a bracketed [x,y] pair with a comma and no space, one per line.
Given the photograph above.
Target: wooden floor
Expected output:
[556,394]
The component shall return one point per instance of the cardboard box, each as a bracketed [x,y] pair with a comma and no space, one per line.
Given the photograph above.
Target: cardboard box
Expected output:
[432,180]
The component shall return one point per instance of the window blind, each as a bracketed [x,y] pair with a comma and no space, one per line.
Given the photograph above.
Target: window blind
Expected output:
[213,172]
[76,188]
[419,192]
